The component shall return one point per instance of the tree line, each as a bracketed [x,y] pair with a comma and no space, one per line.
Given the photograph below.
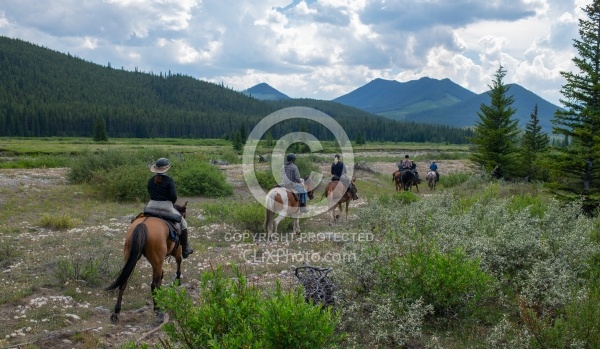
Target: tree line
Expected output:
[46,93]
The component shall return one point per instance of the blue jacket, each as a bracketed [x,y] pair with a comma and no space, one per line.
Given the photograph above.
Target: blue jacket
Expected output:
[433,166]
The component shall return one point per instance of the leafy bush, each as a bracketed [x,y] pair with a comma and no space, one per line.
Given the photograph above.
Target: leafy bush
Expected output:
[84,167]
[265,179]
[125,183]
[399,197]
[195,177]
[232,314]
[454,179]
[450,281]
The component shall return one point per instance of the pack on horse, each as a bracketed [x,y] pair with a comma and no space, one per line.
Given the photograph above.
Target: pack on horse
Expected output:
[285,203]
[432,179]
[338,193]
[155,236]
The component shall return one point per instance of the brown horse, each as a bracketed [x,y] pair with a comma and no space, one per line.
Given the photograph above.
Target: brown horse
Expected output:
[336,196]
[284,202]
[147,236]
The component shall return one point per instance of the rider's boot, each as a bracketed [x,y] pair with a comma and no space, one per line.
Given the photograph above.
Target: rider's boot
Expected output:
[303,208]
[185,245]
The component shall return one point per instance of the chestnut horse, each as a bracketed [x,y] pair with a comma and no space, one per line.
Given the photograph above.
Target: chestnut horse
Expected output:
[147,236]
[336,196]
[283,202]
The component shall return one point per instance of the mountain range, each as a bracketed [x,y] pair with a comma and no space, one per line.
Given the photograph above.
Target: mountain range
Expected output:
[434,101]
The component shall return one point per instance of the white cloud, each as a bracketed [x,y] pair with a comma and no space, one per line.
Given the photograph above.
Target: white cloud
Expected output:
[313,48]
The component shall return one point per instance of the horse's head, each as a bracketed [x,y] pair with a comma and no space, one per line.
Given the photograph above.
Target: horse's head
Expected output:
[181,209]
[309,184]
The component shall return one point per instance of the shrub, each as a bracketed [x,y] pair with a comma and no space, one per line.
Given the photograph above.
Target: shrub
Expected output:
[125,183]
[84,167]
[450,281]
[399,197]
[265,179]
[94,269]
[63,221]
[232,314]
[195,177]
[454,179]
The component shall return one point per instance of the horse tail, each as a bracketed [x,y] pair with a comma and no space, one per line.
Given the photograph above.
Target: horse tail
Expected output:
[136,248]
[270,213]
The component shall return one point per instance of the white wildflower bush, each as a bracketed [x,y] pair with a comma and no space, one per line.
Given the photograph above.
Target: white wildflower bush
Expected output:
[526,256]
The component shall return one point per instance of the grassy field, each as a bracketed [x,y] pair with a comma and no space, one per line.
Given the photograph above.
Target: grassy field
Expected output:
[502,250]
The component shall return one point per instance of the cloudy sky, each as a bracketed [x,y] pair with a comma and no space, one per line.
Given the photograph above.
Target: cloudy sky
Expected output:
[313,48]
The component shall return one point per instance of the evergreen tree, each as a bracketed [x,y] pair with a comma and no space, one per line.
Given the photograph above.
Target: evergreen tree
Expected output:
[360,139]
[533,144]
[495,134]
[577,166]
[237,141]
[100,131]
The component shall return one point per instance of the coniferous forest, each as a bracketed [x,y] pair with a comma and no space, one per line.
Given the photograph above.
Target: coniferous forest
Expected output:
[45,93]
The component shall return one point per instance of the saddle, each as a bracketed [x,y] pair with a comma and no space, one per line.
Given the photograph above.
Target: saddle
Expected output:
[172,220]
[295,193]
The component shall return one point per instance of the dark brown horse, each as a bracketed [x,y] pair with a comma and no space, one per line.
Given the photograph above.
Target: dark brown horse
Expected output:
[284,202]
[147,236]
[336,196]
[406,179]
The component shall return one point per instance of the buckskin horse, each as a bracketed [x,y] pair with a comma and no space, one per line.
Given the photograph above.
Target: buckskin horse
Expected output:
[148,236]
[284,202]
[336,196]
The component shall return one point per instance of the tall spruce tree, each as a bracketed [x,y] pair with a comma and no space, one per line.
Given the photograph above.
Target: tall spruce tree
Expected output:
[496,132]
[100,131]
[533,144]
[576,170]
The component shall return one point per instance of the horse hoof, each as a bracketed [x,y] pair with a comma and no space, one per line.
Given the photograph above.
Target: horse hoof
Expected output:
[161,316]
[337,216]
[114,318]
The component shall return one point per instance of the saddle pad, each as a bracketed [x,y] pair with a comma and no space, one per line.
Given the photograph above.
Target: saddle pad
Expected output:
[166,215]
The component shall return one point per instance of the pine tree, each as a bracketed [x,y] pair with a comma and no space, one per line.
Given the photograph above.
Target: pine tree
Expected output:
[495,134]
[533,144]
[577,166]
[100,131]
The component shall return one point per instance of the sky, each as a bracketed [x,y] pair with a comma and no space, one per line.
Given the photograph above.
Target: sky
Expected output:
[319,49]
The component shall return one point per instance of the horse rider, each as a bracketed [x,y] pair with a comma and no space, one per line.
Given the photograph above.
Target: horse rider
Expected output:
[163,195]
[406,164]
[338,171]
[433,167]
[291,179]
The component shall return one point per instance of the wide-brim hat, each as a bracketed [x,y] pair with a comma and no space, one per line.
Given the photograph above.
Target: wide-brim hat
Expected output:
[161,169]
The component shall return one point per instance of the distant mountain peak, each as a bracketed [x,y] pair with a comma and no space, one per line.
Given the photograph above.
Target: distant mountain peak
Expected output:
[264,91]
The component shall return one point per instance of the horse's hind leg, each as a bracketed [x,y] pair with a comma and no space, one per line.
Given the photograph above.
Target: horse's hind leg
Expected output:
[157,276]
[114,317]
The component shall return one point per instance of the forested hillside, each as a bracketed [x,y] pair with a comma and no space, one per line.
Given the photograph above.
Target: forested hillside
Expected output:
[48,93]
